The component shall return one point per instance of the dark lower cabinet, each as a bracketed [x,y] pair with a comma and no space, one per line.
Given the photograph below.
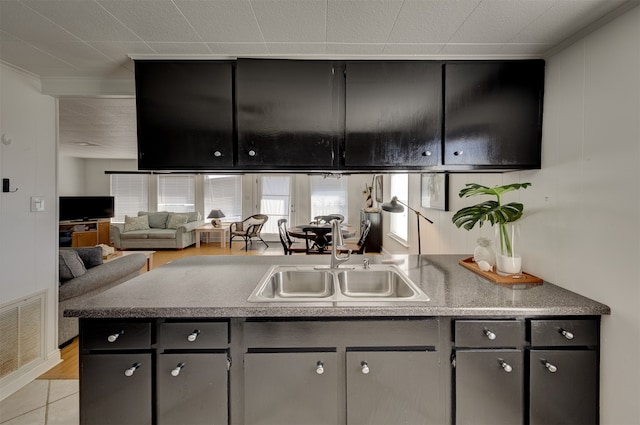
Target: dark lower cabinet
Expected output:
[192,388]
[115,389]
[391,387]
[489,387]
[291,388]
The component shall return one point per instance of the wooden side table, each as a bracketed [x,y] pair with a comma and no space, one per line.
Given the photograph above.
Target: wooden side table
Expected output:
[209,229]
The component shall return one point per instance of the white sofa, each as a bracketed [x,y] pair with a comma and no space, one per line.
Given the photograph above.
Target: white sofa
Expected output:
[161,232]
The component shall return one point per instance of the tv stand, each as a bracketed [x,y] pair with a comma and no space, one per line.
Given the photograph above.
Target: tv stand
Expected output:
[86,232]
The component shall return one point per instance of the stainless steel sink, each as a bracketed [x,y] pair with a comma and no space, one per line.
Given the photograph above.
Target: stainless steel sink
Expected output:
[379,283]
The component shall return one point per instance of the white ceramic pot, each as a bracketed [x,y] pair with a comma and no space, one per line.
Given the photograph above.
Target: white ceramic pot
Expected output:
[506,265]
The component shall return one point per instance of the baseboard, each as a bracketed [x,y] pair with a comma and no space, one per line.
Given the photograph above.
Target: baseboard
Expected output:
[21,377]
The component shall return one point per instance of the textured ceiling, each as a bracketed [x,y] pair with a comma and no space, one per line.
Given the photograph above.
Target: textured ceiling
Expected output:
[95,39]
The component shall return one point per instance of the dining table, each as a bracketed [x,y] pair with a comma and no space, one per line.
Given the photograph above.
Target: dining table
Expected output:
[320,233]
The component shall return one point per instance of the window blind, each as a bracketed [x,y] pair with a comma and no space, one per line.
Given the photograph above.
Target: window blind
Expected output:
[176,193]
[223,193]
[398,222]
[329,196]
[131,192]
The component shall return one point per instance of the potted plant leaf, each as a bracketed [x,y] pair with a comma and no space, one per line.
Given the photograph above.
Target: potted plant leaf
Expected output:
[507,259]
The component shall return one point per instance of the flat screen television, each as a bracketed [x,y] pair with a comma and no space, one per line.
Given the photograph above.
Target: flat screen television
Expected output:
[86,207]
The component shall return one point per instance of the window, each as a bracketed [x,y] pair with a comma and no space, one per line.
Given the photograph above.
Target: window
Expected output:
[223,193]
[398,222]
[329,196]
[274,200]
[176,193]
[131,192]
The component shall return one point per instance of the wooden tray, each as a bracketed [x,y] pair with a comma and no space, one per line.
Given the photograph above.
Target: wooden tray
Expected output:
[520,279]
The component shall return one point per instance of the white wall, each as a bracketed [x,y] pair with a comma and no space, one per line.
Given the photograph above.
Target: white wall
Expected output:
[71,176]
[28,262]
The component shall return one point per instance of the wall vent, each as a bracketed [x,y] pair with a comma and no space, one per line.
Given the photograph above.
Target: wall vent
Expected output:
[21,333]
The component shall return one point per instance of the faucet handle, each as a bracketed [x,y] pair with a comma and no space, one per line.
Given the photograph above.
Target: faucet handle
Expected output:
[365,264]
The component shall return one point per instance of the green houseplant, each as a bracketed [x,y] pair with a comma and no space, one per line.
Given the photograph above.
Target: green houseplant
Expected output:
[492,211]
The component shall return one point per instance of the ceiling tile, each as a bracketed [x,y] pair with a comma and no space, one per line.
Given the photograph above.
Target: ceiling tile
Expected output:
[238,49]
[361,21]
[412,49]
[291,21]
[222,20]
[296,48]
[28,57]
[355,48]
[498,21]
[422,21]
[26,24]
[472,49]
[152,20]
[181,48]
[87,20]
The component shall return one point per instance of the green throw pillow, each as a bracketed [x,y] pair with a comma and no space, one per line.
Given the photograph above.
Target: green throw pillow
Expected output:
[136,223]
[176,220]
[157,220]
[70,265]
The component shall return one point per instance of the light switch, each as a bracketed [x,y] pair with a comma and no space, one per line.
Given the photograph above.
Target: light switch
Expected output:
[37,204]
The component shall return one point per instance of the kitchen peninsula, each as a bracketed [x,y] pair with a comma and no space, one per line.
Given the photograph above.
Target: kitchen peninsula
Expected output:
[183,342]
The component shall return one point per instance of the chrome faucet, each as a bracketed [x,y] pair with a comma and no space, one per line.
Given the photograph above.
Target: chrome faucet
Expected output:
[337,241]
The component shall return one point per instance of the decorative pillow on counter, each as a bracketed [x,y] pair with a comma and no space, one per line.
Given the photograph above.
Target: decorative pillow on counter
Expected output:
[176,220]
[157,220]
[71,265]
[90,256]
[136,223]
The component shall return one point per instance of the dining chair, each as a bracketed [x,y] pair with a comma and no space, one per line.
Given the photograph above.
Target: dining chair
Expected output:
[360,246]
[288,245]
[248,229]
[325,219]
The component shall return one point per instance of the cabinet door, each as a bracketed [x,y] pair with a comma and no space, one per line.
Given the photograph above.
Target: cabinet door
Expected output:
[115,389]
[393,388]
[493,113]
[184,114]
[192,388]
[103,232]
[287,114]
[393,114]
[489,387]
[291,388]
[564,387]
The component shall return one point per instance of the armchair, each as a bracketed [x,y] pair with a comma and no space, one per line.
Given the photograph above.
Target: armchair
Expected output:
[248,229]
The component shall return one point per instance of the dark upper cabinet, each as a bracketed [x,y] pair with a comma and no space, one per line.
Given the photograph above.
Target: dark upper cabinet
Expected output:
[393,114]
[184,114]
[287,114]
[493,114]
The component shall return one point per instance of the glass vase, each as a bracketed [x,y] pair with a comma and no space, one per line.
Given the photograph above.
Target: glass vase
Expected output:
[507,246]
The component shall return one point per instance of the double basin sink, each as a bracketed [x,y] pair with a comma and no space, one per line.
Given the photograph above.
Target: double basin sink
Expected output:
[377,283]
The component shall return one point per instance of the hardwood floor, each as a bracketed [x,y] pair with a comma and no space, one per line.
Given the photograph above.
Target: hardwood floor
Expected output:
[68,368]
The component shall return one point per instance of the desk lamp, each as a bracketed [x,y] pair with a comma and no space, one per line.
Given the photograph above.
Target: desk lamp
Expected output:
[396,206]
[216,215]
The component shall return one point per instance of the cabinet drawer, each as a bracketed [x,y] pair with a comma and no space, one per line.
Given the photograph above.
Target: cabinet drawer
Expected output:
[488,333]
[570,332]
[189,335]
[115,335]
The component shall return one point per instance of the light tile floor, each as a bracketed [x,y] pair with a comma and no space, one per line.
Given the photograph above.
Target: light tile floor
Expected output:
[42,402]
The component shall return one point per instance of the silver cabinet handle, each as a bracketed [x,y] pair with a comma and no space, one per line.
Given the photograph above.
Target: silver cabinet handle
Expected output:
[193,335]
[505,366]
[458,153]
[320,367]
[114,337]
[252,153]
[217,154]
[426,153]
[365,367]
[489,334]
[132,369]
[176,371]
[551,368]
[565,333]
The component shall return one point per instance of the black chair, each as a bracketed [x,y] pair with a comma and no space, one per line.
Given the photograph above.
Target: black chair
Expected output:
[362,242]
[248,229]
[288,245]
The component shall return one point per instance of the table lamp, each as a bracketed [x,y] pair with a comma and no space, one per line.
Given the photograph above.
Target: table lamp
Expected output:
[396,206]
[216,215]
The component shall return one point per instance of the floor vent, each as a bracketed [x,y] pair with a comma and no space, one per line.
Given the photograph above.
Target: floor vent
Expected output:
[21,333]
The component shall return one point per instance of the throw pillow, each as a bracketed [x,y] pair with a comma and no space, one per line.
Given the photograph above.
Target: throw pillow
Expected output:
[90,256]
[70,265]
[157,220]
[136,223]
[176,220]
[193,216]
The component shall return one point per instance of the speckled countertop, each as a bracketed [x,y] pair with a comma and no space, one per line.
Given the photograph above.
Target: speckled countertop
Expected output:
[218,287]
